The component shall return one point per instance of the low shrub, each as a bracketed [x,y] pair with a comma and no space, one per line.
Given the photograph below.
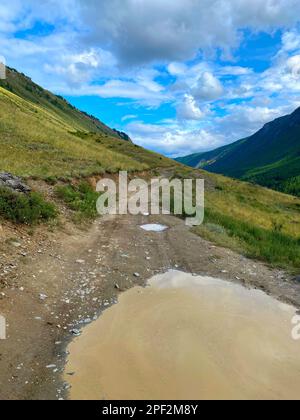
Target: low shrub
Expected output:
[81,198]
[27,209]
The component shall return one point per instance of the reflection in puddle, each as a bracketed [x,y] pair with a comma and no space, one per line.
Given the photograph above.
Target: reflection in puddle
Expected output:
[154,228]
[188,337]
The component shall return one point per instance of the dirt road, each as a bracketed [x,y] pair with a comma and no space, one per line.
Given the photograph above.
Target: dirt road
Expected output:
[75,276]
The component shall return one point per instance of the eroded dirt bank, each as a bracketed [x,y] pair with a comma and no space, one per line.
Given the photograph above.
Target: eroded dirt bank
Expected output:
[76,275]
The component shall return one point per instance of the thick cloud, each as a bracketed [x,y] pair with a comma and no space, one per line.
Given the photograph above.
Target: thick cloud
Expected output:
[189,110]
[144,31]
[174,140]
[141,31]
[141,49]
[208,88]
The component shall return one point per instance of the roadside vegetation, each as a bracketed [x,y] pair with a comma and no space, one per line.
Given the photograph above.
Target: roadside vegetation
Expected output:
[81,199]
[28,209]
[257,222]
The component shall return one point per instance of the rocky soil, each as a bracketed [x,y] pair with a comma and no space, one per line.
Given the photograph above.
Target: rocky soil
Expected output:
[54,283]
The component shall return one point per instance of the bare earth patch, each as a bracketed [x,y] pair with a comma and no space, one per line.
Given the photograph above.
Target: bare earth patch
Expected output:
[62,281]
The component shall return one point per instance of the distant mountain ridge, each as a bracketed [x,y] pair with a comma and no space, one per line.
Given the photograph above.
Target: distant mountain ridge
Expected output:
[270,157]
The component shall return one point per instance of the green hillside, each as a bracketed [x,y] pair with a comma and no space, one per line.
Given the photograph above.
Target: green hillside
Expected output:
[271,157]
[24,87]
[200,160]
[42,135]
[42,140]
[254,221]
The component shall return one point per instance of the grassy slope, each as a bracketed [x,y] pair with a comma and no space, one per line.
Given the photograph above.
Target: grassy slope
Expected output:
[37,141]
[23,86]
[252,220]
[271,157]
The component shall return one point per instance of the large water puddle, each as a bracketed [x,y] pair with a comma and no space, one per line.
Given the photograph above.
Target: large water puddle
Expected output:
[188,337]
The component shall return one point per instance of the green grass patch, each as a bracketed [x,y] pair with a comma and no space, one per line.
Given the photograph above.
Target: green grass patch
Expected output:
[25,209]
[271,246]
[81,199]
[254,221]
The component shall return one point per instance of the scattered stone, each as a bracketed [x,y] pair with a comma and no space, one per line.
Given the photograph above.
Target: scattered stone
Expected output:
[43,297]
[16,244]
[80,262]
[75,333]
[137,275]
[14,183]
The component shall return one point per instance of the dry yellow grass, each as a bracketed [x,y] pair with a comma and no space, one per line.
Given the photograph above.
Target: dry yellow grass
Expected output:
[260,223]
[35,142]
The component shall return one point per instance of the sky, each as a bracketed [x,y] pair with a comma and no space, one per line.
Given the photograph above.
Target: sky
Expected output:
[179,76]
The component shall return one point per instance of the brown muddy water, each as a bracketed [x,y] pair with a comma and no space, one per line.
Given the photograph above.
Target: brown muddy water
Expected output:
[188,337]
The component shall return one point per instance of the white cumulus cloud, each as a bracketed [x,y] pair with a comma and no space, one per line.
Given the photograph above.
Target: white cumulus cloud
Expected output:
[208,88]
[189,110]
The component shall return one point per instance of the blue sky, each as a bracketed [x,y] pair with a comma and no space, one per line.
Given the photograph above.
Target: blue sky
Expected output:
[179,76]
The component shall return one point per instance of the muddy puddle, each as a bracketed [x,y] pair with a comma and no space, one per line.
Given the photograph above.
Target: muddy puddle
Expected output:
[188,337]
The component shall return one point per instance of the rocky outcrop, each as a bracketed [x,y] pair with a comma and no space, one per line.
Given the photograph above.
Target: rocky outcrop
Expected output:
[14,183]
[123,135]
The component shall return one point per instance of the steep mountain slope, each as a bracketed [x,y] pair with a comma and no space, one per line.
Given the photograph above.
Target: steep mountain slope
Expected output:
[42,135]
[200,160]
[24,87]
[271,157]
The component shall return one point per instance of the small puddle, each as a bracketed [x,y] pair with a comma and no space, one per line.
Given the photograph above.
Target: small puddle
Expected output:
[188,337]
[154,228]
